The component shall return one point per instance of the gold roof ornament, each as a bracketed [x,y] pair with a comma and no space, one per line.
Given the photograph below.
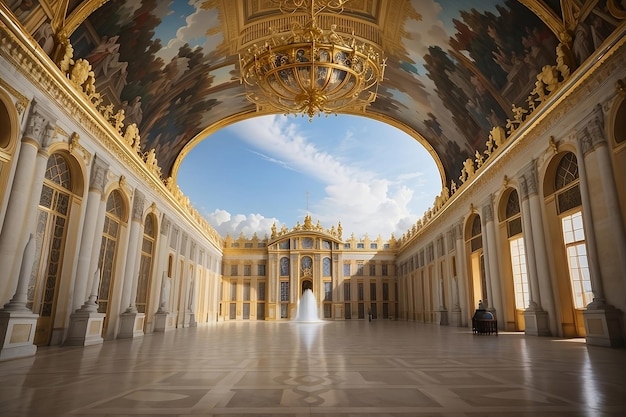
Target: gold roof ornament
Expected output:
[307,70]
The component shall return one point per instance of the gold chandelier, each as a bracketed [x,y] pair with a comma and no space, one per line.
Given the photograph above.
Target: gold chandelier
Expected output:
[309,70]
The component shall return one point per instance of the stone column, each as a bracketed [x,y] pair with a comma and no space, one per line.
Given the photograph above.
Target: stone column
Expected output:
[16,217]
[599,150]
[531,264]
[461,271]
[89,233]
[540,249]
[133,258]
[602,321]
[491,253]
[17,322]
[294,287]
[131,321]
[535,318]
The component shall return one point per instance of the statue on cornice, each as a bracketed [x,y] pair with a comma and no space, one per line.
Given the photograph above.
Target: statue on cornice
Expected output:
[308,225]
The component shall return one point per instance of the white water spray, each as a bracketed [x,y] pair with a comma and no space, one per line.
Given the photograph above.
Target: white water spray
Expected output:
[307,308]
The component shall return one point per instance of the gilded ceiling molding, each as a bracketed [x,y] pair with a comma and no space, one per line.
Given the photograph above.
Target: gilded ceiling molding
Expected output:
[238,117]
[547,15]
[78,16]
[21,100]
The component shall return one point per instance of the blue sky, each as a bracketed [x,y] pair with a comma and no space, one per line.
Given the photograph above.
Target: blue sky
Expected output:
[370,176]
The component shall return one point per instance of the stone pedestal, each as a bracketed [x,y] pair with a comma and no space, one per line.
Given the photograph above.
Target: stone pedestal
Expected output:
[17,332]
[604,326]
[190,320]
[455,318]
[536,323]
[131,325]
[164,322]
[443,317]
[85,328]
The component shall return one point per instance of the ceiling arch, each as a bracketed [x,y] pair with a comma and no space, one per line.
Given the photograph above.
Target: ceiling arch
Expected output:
[454,71]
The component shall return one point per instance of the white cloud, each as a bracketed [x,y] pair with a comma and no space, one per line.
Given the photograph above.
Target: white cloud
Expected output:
[197,28]
[363,200]
[234,225]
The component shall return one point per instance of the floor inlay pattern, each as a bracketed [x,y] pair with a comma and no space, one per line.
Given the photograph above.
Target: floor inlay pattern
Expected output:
[348,369]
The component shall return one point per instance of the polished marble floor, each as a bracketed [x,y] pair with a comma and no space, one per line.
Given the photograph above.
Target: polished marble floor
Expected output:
[351,368]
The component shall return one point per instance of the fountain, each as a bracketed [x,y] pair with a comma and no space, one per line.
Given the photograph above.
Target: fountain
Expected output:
[307,308]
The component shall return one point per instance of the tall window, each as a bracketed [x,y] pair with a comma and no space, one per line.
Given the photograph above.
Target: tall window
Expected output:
[261,270]
[326,267]
[52,217]
[574,237]
[569,206]
[346,270]
[284,299]
[110,234]
[517,251]
[145,266]
[328,291]
[284,266]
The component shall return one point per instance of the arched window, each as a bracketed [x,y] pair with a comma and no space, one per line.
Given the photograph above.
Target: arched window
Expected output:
[569,206]
[110,234]
[326,267]
[284,266]
[52,218]
[145,266]
[476,241]
[517,250]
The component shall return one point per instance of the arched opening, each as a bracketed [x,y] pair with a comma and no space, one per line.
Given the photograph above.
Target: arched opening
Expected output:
[476,277]
[307,284]
[51,230]
[115,213]
[564,206]
[516,283]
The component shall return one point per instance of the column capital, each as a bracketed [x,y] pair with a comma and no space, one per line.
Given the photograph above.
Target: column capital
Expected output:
[165,225]
[487,211]
[523,188]
[590,132]
[39,127]
[99,170]
[139,200]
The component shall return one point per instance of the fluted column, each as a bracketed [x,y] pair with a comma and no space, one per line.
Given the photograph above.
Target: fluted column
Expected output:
[531,264]
[461,271]
[41,164]
[16,217]
[599,150]
[162,262]
[603,322]
[491,252]
[90,233]
[133,258]
[584,147]
[540,248]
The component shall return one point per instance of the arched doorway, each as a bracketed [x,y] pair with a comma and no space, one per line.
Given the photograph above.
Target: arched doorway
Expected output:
[51,230]
[565,214]
[477,278]
[307,284]
[114,217]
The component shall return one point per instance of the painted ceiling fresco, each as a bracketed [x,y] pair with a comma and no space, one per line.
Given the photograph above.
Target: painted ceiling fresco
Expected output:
[454,68]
